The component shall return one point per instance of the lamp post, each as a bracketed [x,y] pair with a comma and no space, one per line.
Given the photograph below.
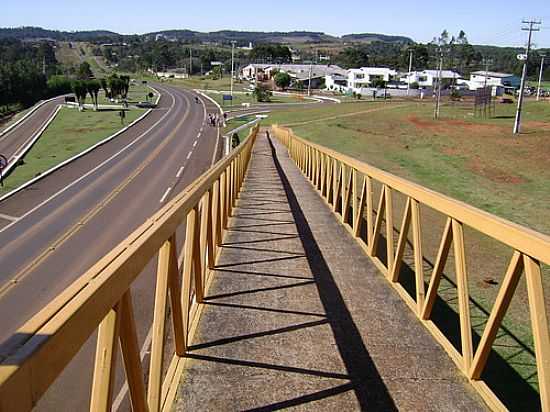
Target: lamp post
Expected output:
[232,67]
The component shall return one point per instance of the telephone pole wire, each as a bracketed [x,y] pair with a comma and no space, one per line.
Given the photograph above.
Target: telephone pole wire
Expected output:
[530,29]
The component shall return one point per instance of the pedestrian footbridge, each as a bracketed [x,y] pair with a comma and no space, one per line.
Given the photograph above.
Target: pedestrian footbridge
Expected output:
[291,276]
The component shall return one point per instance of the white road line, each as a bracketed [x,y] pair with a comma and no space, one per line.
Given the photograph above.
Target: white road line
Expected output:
[189,155]
[180,171]
[199,135]
[84,176]
[195,143]
[8,217]
[165,195]
[144,349]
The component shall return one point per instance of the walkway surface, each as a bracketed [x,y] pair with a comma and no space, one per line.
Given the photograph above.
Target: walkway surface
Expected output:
[298,316]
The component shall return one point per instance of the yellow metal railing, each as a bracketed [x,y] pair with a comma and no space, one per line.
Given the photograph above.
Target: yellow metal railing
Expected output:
[101,300]
[347,186]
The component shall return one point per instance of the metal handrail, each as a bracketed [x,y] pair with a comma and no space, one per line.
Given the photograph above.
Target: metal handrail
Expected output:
[346,184]
[101,300]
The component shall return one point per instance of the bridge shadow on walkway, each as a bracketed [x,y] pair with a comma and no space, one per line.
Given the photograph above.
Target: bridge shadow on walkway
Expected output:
[298,316]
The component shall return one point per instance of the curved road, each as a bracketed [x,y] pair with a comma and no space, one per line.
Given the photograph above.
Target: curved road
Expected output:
[17,138]
[53,231]
[68,220]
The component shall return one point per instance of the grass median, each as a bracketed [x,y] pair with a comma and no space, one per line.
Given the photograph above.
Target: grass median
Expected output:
[68,134]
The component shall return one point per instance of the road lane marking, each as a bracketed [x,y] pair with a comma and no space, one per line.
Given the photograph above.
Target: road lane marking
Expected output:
[87,217]
[180,171]
[8,217]
[165,195]
[189,155]
[99,166]
[195,143]
[124,390]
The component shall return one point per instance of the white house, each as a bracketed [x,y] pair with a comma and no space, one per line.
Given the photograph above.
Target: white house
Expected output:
[173,74]
[481,78]
[253,70]
[361,78]
[298,72]
[428,78]
[336,82]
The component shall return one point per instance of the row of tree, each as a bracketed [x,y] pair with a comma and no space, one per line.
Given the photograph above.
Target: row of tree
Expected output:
[114,86]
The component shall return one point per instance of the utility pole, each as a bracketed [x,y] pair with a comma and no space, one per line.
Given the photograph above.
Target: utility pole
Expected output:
[232,66]
[410,70]
[309,81]
[486,62]
[190,61]
[540,75]
[530,29]
[438,101]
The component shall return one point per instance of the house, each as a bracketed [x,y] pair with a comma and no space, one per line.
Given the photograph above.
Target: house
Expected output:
[252,71]
[482,78]
[363,77]
[336,82]
[299,73]
[180,73]
[429,78]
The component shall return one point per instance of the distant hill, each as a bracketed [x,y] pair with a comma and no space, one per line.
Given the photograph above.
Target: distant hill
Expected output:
[244,37]
[372,37]
[221,36]
[33,33]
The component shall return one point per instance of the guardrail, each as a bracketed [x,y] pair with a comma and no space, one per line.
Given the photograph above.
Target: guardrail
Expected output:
[101,300]
[347,186]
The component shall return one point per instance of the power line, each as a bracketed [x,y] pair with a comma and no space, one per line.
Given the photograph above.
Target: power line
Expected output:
[530,29]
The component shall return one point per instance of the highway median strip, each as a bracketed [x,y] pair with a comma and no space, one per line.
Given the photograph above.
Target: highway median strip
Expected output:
[25,178]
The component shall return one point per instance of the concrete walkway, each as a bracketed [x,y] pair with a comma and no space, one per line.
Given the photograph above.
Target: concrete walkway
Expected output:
[298,316]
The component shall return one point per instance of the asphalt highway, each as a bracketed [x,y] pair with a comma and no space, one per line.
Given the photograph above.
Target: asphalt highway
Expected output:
[62,225]
[54,230]
[12,142]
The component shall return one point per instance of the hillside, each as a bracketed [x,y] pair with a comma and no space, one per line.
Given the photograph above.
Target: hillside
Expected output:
[372,37]
[28,33]
[221,36]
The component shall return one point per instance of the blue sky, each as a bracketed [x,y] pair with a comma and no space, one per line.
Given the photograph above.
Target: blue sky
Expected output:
[487,22]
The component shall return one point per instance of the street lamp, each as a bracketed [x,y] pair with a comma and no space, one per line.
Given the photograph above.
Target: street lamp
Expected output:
[232,66]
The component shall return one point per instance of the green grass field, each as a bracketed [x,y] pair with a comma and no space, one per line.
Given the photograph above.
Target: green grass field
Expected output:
[137,93]
[203,82]
[70,133]
[474,160]
[240,98]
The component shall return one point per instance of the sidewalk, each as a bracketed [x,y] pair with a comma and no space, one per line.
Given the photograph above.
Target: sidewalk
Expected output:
[298,316]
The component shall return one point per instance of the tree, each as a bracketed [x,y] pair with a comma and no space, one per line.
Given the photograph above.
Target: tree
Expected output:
[273,53]
[84,71]
[93,87]
[282,80]
[58,85]
[124,86]
[104,86]
[80,90]
[262,93]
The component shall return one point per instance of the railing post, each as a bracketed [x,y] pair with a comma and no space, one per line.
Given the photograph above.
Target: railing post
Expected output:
[463,295]
[105,361]
[130,354]
[539,325]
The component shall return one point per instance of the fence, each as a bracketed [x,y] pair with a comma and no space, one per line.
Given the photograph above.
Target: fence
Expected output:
[101,300]
[347,186]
